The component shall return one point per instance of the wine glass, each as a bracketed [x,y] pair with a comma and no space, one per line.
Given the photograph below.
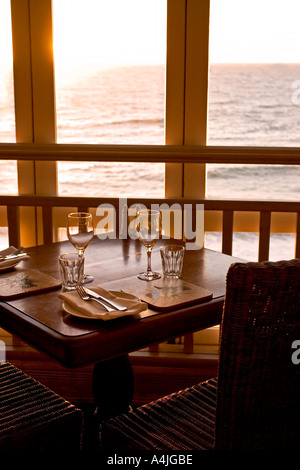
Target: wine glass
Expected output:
[148,230]
[80,232]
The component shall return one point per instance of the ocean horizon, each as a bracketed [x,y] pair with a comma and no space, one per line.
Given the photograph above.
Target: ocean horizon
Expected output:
[249,105]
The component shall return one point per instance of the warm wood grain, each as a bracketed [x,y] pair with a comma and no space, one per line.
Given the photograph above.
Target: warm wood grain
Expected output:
[40,320]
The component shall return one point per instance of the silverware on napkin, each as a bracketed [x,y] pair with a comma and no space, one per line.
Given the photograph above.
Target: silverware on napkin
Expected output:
[110,302]
[85,296]
[13,256]
[13,253]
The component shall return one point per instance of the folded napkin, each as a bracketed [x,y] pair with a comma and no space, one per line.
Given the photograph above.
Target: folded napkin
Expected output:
[8,251]
[92,309]
[11,262]
[11,250]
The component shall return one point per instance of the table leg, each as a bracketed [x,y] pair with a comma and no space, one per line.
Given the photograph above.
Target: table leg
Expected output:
[113,387]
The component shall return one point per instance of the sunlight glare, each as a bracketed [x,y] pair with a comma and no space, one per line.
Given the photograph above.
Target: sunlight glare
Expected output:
[5,34]
[257,31]
[108,32]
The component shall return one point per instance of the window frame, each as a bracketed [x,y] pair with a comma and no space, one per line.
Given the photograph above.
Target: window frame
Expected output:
[186,105]
[186,102]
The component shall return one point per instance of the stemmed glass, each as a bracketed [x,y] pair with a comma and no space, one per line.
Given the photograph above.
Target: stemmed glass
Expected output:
[148,230]
[80,232]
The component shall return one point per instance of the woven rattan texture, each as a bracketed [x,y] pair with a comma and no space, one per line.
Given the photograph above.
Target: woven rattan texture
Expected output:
[259,385]
[254,403]
[32,417]
[183,420]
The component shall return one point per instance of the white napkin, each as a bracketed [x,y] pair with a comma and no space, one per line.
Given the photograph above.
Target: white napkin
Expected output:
[93,309]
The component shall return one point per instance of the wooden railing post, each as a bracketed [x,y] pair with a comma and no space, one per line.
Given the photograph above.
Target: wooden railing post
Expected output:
[13,222]
[47,224]
[264,236]
[227,232]
[297,247]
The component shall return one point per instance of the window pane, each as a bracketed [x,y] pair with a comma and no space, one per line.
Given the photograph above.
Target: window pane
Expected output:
[8,169]
[110,89]
[7,111]
[254,93]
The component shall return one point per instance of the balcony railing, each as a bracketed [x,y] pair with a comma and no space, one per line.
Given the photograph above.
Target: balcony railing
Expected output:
[223,216]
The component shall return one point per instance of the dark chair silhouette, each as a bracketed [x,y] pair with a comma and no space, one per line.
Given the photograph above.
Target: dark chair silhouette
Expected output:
[33,418]
[254,403]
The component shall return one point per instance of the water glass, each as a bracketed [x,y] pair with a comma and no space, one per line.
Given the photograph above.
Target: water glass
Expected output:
[172,260]
[71,269]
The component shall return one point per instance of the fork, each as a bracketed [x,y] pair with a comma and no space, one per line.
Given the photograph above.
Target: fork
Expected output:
[84,296]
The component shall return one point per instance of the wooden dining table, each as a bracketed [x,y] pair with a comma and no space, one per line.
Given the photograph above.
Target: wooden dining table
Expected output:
[38,317]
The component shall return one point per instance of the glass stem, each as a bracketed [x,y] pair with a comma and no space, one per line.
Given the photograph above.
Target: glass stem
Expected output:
[149,251]
[81,252]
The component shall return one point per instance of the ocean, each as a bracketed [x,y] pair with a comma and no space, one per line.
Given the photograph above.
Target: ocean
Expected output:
[248,105]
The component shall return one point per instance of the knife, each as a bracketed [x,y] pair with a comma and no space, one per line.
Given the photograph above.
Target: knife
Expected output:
[111,303]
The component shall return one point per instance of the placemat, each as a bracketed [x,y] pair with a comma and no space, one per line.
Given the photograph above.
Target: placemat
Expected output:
[165,293]
[21,282]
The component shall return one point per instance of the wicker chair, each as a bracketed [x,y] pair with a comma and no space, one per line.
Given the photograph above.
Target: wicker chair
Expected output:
[33,418]
[254,402]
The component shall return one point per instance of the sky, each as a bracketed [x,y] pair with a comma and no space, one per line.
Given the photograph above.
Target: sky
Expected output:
[114,31]
[255,31]
[133,31]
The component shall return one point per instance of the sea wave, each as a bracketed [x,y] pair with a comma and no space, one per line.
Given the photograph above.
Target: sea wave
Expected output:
[248,105]
[139,122]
